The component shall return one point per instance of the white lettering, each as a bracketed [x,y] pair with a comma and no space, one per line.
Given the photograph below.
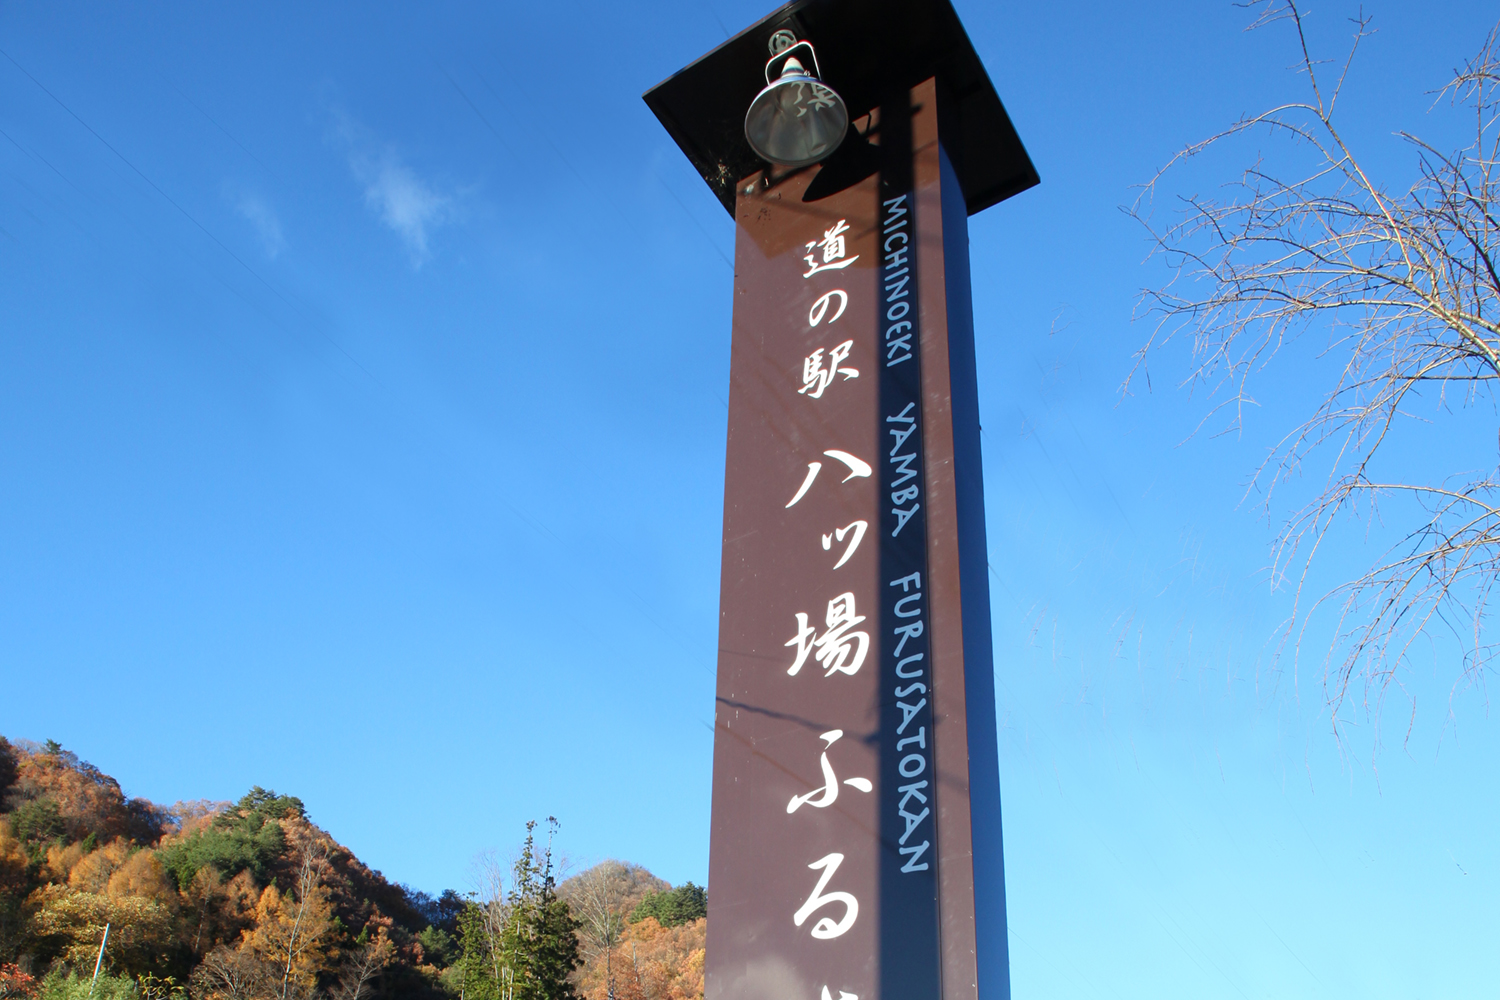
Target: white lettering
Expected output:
[858,530]
[812,473]
[857,466]
[826,928]
[827,794]
[839,649]
[815,314]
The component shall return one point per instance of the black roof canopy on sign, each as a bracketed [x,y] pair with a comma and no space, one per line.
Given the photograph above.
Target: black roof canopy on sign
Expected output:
[865,49]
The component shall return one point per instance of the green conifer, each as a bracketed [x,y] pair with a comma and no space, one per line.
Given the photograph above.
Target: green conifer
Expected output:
[540,941]
[537,947]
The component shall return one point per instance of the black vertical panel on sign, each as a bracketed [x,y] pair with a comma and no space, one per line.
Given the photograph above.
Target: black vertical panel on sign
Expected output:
[910,952]
[992,942]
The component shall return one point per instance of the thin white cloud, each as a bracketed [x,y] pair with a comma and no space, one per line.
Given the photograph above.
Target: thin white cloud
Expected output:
[263,218]
[405,203]
[409,206]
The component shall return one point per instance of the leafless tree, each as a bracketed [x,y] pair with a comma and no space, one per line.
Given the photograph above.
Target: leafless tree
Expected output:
[640,984]
[492,878]
[312,865]
[360,970]
[596,897]
[226,974]
[1403,282]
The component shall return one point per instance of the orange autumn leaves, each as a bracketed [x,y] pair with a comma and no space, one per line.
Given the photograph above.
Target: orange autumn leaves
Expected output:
[251,901]
[625,946]
[650,962]
[248,901]
[118,885]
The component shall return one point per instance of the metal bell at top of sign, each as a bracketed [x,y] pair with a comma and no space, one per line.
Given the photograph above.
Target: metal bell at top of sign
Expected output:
[797,120]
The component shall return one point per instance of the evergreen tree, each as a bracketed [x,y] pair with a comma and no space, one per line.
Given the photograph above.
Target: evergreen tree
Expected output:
[540,939]
[672,907]
[526,947]
[477,972]
[9,769]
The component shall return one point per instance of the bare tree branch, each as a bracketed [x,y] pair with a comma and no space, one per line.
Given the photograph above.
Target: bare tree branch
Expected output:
[1404,283]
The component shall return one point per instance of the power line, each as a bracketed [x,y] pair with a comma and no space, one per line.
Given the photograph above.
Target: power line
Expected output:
[185,213]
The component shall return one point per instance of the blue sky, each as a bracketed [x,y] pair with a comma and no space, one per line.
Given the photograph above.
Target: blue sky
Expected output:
[362,380]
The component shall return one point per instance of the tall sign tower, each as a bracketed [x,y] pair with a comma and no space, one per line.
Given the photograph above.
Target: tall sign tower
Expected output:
[856,838]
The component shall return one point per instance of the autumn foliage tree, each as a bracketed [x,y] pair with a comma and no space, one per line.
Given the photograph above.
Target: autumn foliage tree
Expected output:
[252,901]
[246,900]
[293,929]
[641,959]
[15,984]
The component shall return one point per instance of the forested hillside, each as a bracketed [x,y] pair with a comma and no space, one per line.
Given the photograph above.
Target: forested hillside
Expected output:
[642,939]
[251,901]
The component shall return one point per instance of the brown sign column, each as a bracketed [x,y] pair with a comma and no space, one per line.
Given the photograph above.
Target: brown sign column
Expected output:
[856,848]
